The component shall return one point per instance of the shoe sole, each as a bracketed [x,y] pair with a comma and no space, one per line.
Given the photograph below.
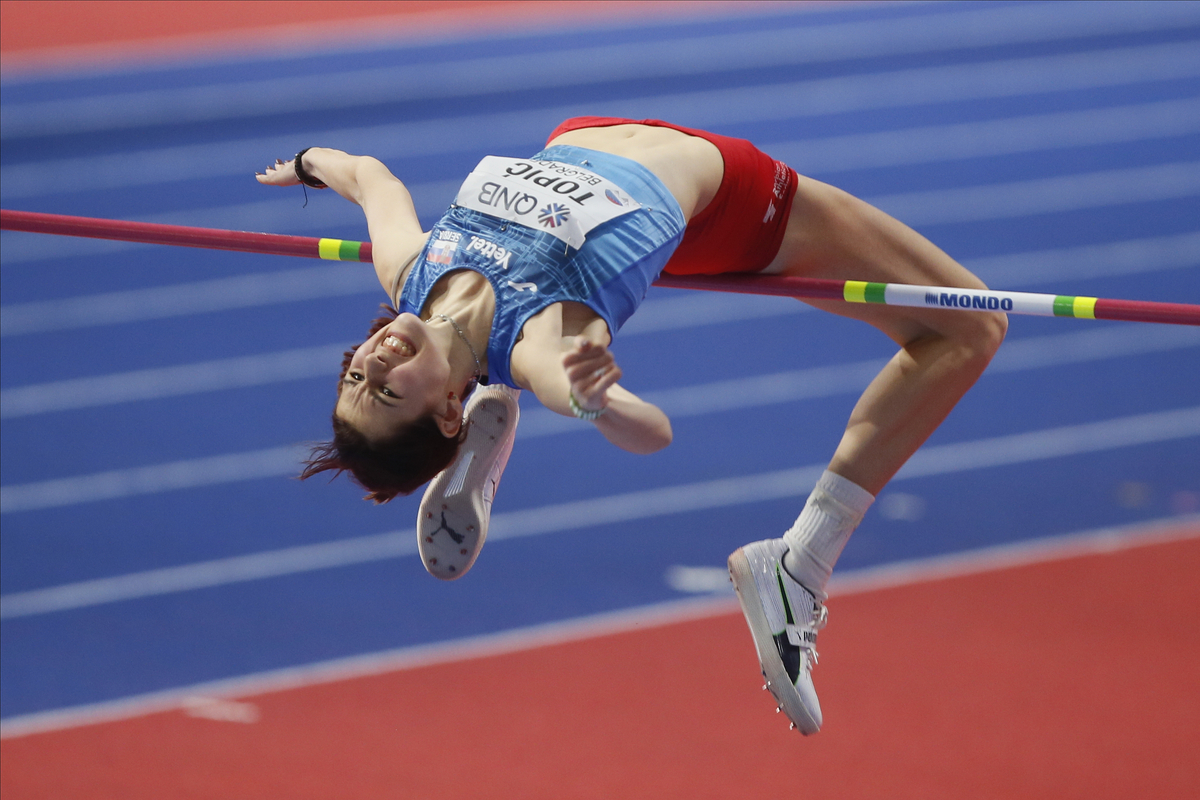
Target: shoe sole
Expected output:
[773,671]
[452,521]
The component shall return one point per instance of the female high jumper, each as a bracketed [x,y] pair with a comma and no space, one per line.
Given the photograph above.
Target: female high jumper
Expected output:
[536,265]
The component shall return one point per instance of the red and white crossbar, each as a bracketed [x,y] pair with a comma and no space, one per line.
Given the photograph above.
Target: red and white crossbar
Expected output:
[892,294]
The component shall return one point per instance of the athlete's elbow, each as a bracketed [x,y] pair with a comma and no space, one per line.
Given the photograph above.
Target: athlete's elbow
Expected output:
[659,439]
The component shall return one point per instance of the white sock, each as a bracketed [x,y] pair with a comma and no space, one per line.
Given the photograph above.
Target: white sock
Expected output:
[832,512]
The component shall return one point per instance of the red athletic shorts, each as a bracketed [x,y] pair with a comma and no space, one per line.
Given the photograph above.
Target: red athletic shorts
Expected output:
[743,226]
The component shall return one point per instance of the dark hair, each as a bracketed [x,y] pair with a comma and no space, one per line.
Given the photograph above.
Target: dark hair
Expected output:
[400,464]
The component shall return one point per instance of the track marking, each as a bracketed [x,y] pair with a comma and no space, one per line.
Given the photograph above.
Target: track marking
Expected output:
[682,310]
[926,144]
[989,138]
[185,379]
[988,559]
[229,468]
[714,397]
[752,391]
[1101,189]
[626,507]
[802,43]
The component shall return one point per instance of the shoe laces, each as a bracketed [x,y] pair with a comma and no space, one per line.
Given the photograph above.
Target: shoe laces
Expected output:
[820,616]
[820,620]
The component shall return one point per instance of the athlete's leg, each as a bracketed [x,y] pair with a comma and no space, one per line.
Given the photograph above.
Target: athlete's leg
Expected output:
[831,234]
[781,583]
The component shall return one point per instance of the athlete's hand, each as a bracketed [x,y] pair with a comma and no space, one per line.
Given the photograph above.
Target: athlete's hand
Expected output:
[591,369]
[281,173]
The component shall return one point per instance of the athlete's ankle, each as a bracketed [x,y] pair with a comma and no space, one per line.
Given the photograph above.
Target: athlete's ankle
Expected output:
[834,509]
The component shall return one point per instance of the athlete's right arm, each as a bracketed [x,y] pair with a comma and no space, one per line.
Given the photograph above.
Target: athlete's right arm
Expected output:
[575,366]
[391,217]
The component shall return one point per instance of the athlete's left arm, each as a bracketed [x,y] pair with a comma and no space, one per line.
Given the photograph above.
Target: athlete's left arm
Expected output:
[589,372]
[391,217]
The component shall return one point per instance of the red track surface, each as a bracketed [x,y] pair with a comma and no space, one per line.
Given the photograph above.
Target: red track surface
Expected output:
[40,33]
[1070,679]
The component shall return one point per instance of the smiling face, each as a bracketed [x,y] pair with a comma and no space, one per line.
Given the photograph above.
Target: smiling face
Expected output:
[397,376]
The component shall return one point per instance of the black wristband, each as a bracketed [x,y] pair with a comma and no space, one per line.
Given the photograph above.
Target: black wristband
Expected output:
[303,175]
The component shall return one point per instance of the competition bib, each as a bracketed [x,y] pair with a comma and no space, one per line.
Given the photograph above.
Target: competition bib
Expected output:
[563,200]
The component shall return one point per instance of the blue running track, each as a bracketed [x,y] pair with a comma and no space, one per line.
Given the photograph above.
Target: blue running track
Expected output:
[154,398]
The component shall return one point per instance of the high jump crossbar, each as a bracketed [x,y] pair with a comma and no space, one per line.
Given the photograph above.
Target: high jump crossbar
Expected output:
[892,294]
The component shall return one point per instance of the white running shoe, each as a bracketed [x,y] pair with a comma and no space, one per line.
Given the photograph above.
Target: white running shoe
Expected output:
[453,519]
[784,618]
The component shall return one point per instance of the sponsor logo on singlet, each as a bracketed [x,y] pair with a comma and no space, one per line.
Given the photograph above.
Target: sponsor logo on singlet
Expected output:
[491,250]
[561,199]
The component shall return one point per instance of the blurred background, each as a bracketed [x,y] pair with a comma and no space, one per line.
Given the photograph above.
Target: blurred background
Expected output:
[157,554]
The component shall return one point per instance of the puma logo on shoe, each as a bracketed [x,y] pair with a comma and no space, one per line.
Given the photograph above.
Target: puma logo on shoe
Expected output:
[455,535]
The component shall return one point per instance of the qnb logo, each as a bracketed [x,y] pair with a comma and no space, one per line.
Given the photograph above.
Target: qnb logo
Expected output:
[553,215]
[950,300]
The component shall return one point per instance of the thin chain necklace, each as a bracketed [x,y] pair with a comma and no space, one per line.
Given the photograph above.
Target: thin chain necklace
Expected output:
[463,336]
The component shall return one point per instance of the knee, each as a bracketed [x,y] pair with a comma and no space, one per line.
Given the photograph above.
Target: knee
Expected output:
[971,339]
[983,335]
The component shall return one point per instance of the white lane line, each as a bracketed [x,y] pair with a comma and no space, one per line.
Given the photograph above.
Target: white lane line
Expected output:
[689,309]
[702,109]
[1077,192]
[1017,554]
[814,382]
[183,300]
[970,562]
[204,574]
[626,507]
[186,474]
[184,379]
[713,108]
[989,138]
[1010,270]
[1129,257]
[278,214]
[714,397]
[745,392]
[783,47]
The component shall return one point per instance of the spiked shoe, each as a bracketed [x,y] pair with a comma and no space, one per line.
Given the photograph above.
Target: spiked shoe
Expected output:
[784,618]
[453,519]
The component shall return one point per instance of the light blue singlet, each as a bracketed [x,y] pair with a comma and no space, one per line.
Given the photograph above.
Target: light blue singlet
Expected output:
[530,269]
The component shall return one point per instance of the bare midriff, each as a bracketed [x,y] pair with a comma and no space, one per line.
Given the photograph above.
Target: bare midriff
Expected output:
[690,167]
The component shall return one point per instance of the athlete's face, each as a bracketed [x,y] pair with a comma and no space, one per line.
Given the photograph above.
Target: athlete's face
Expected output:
[396,377]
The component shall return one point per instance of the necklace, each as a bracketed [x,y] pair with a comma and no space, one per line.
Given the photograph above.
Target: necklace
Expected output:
[463,336]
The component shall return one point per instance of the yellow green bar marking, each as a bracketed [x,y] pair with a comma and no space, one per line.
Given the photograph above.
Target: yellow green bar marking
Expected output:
[864,292]
[876,293]
[1079,307]
[339,250]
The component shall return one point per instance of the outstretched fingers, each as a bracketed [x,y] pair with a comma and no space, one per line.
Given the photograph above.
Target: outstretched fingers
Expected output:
[281,173]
